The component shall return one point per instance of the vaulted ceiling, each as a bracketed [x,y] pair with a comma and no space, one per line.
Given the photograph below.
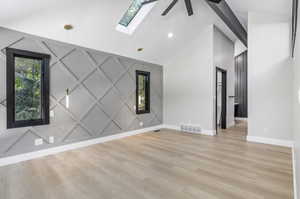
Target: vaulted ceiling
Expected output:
[278,7]
[94,23]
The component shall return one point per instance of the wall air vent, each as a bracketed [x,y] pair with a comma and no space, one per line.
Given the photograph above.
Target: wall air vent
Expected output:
[135,14]
[190,128]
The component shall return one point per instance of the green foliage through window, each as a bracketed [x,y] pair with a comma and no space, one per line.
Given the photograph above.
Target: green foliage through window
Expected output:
[142,93]
[27,89]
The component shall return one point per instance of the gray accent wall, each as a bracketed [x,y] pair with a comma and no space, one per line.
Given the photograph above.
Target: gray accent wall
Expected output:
[102,97]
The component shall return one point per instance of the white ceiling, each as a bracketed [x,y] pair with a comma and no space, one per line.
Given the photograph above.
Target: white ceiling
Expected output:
[95,22]
[277,7]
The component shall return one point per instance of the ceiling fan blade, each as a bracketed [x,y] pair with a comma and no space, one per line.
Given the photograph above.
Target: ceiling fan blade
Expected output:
[189,7]
[169,7]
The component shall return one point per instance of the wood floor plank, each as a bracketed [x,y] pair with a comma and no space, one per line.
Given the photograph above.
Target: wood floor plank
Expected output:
[166,164]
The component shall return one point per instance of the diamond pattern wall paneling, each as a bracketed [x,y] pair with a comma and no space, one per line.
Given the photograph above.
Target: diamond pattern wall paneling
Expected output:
[112,102]
[80,101]
[96,120]
[111,129]
[102,94]
[97,84]
[126,86]
[113,69]
[78,64]
[60,76]
[124,118]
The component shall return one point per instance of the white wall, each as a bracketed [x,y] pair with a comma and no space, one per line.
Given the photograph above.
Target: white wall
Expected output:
[270,77]
[296,114]
[223,55]
[188,83]
[239,48]
[296,110]
[189,80]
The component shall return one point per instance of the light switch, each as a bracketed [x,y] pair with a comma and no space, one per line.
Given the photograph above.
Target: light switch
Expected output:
[52,113]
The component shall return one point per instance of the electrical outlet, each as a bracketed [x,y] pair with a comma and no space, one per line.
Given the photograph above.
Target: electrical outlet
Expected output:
[38,142]
[52,113]
[141,124]
[51,139]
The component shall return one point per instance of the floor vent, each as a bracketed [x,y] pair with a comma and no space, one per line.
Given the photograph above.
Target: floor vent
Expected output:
[190,128]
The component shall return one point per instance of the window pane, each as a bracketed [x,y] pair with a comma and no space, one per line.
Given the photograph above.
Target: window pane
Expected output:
[142,92]
[27,89]
[132,11]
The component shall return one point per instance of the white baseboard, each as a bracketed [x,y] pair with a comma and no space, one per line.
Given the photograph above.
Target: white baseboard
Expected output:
[294,174]
[45,152]
[231,124]
[172,127]
[241,119]
[285,143]
[203,132]
[209,132]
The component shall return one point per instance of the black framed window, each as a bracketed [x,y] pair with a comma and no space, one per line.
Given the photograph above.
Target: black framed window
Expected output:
[142,92]
[27,77]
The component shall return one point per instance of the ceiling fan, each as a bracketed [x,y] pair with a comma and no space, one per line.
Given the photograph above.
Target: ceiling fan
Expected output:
[188,5]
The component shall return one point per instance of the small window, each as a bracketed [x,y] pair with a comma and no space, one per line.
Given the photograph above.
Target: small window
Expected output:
[142,92]
[27,88]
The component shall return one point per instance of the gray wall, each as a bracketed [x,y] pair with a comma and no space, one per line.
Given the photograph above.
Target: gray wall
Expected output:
[102,98]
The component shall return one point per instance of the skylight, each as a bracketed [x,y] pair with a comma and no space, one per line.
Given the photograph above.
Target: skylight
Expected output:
[135,15]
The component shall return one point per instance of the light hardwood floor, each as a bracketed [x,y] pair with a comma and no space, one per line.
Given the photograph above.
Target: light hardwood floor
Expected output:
[239,131]
[164,165]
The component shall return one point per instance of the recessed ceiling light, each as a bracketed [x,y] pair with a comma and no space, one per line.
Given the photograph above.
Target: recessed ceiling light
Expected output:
[140,49]
[170,35]
[68,27]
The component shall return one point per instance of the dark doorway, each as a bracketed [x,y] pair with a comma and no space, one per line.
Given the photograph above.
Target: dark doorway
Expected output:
[241,86]
[221,99]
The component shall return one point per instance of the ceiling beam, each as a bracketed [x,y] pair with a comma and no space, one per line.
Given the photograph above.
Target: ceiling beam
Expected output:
[169,7]
[189,7]
[223,10]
